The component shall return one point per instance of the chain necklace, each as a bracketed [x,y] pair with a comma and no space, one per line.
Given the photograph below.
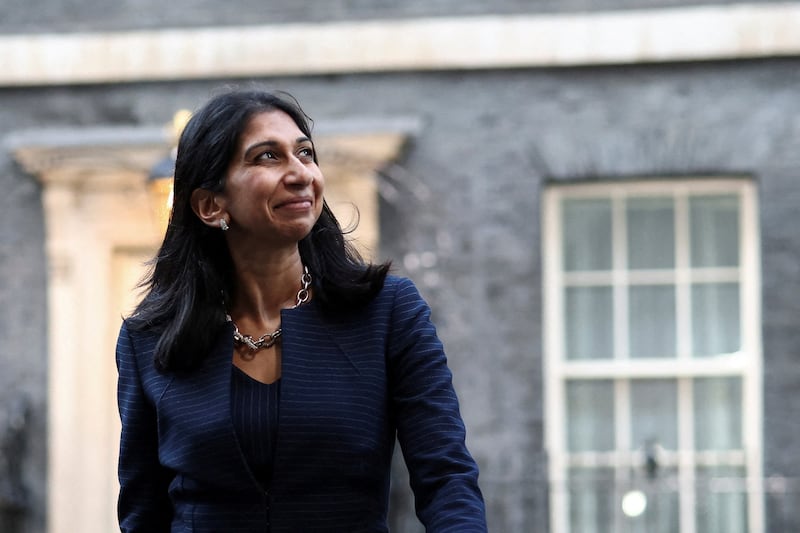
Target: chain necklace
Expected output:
[268,339]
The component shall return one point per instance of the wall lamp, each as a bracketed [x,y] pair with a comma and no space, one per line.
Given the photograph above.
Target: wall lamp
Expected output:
[160,179]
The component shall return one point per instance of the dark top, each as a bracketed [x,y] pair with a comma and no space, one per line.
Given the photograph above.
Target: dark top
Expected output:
[254,409]
[350,384]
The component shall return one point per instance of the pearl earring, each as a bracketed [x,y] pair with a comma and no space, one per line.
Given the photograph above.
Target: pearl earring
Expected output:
[223,225]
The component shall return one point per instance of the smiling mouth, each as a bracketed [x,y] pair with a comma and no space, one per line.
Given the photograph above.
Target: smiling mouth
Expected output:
[297,203]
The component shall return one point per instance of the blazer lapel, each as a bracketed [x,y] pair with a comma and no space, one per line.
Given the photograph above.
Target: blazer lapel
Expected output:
[201,404]
[333,399]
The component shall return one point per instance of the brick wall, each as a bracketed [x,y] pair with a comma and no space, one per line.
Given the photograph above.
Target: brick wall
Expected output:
[22,16]
[464,223]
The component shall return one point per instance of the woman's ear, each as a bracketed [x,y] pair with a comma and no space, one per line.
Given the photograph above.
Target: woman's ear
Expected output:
[208,207]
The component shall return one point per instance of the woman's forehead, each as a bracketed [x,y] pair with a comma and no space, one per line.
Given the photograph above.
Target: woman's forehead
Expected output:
[273,127]
[272,121]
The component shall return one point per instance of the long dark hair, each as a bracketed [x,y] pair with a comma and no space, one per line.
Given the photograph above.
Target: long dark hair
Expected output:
[191,277]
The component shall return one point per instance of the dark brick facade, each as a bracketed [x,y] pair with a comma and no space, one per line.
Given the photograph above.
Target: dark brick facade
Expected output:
[95,15]
[469,197]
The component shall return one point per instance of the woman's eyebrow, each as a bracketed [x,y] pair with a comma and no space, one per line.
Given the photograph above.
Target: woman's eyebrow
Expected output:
[260,144]
[272,143]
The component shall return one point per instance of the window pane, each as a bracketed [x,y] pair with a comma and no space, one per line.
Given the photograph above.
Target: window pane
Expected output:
[589,326]
[651,232]
[714,223]
[590,415]
[587,234]
[721,500]
[596,502]
[654,418]
[661,513]
[718,413]
[651,315]
[591,500]
[715,319]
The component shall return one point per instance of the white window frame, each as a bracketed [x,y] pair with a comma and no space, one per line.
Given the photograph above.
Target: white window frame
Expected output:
[746,364]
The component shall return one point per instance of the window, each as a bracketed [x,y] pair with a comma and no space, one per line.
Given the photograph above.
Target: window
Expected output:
[652,357]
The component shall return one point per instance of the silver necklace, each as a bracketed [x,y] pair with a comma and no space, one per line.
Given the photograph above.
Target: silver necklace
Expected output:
[268,339]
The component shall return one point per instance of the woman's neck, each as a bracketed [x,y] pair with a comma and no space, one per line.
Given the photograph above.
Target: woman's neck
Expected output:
[265,284]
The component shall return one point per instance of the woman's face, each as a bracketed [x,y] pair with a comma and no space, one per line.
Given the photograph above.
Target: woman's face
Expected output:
[274,188]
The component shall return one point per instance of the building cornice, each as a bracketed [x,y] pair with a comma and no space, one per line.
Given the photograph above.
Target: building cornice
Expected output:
[114,157]
[482,42]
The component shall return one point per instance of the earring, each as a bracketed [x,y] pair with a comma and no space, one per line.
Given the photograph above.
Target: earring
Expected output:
[223,225]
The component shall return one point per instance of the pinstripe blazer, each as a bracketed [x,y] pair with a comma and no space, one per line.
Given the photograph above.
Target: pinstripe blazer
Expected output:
[349,384]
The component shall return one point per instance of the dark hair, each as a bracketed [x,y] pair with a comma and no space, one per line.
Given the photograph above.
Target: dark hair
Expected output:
[191,276]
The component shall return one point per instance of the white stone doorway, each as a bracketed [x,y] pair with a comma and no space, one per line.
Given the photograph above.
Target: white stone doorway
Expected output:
[100,229]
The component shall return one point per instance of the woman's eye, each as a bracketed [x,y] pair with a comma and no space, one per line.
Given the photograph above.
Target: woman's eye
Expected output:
[307,152]
[267,155]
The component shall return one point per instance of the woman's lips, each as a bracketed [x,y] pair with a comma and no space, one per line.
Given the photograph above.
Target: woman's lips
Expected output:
[296,203]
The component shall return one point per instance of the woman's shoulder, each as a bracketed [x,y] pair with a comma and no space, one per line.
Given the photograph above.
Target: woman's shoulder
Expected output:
[398,291]
[135,339]
[135,328]
[395,285]
[392,281]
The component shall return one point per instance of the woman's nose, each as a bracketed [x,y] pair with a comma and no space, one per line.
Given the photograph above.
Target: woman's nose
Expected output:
[300,172]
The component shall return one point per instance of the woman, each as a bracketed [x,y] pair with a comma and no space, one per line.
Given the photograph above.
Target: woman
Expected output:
[267,371]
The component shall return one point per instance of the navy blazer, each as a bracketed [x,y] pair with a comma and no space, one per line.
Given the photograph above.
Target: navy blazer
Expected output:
[349,385]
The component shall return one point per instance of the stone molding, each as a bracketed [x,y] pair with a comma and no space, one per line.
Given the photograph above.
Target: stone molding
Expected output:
[736,31]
